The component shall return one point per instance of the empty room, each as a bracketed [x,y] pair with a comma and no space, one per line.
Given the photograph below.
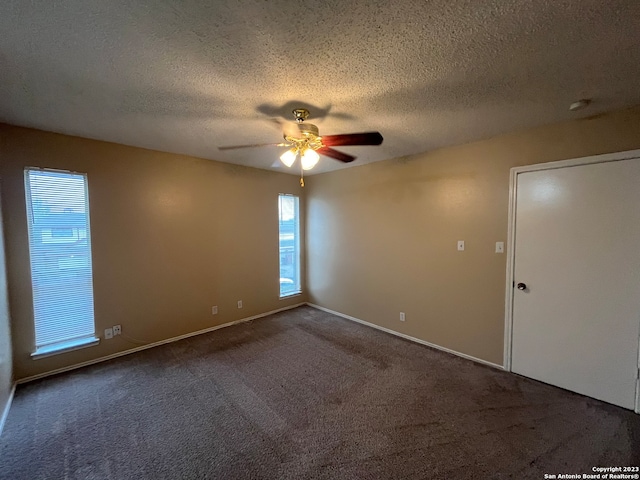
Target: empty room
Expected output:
[319,240]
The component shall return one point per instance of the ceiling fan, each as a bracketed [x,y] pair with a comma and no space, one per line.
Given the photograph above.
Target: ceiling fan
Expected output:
[304,140]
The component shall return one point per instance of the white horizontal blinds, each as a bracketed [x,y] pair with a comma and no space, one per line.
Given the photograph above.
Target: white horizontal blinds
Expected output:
[289,241]
[60,248]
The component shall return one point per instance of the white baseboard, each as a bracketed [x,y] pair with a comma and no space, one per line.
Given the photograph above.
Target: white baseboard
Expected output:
[151,345]
[5,412]
[407,337]
[242,320]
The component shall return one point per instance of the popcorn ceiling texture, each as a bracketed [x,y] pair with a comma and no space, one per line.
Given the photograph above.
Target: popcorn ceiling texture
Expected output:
[188,76]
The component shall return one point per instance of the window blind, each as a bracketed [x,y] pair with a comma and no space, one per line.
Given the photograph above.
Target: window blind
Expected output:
[60,254]
[289,241]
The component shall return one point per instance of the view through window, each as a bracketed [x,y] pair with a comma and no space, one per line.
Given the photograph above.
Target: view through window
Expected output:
[60,253]
[289,241]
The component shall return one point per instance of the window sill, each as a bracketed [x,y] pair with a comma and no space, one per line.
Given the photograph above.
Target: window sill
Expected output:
[289,295]
[64,347]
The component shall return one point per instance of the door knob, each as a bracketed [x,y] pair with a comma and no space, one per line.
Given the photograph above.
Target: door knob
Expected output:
[522,286]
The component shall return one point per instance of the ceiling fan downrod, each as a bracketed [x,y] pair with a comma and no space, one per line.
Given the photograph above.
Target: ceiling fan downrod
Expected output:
[301,114]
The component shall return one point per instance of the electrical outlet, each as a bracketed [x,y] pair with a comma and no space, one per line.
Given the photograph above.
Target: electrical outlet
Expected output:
[239,303]
[214,310]
[108,333]
[402,316]
[117,330]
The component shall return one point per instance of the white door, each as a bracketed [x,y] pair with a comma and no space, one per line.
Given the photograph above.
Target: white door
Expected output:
[577,249]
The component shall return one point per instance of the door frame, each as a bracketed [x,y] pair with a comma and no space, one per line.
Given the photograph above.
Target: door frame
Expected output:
[509,291]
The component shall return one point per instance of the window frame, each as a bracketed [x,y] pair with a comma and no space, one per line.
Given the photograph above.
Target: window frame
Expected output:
[297,251]
[79,341]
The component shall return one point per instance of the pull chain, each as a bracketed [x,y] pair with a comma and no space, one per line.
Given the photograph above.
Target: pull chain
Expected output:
[301,174]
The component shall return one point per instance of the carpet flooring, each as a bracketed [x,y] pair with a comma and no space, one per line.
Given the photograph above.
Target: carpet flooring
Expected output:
[305,395]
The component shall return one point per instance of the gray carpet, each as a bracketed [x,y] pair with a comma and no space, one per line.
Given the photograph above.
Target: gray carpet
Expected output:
[305,395]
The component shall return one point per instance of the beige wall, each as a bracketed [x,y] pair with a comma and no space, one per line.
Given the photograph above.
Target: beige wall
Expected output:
[6,383]
[382,237]
[174,235]
[171,237]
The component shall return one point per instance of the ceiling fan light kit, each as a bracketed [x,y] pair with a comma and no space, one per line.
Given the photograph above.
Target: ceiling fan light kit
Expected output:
[307,143]
[289,157]
[309,159]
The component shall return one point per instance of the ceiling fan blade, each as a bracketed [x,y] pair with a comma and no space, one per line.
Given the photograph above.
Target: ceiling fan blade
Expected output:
[330,152]
[288,129]
[366,138]
[235,147]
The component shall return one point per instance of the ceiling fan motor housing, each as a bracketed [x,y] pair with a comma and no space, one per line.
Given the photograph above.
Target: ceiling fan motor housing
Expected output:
[309,137]
[308,130]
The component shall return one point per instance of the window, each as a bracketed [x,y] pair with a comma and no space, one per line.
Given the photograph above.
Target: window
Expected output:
[289,230]
[60,254]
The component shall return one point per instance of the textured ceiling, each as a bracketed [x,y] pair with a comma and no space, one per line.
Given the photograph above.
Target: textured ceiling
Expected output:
[188,76]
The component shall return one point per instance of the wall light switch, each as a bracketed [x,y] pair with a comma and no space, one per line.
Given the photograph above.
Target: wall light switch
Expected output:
[499,247]
[460,245]
[108,333]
